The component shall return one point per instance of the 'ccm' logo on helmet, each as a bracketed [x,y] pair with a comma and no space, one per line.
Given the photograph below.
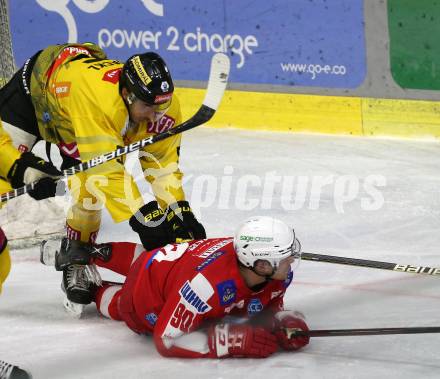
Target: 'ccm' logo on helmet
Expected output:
[137,64]
[256,239]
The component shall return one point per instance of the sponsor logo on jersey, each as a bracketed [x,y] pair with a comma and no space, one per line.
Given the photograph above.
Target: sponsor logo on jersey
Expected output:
[212,249]
[193,299]
[210,259]
[194,245]
[238,305]
[142,74]
[112,75]
[24,76]
[74,50]
[62,89]
[289,279]
[227,292]
[275,294]
[254,306]
[163,124]
[151,318]
[256,239]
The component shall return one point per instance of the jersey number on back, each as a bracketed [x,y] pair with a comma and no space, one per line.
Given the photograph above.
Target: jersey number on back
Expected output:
[171,252]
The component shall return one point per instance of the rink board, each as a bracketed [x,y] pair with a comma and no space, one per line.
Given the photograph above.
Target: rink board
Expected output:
[320,114]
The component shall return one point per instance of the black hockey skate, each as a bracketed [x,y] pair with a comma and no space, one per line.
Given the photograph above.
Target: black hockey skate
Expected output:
[79,286]
[80,276]
[76,284]
[9,371]
[73,252]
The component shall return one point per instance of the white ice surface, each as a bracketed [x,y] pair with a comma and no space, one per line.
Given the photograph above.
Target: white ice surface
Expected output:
[37,334]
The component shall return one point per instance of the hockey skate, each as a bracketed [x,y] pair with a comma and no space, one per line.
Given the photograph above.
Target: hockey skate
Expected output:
[79,286]
[9,371]
[72,252]
[80,278]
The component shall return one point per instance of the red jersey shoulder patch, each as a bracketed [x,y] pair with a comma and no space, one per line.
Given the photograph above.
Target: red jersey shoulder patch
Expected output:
[112,75]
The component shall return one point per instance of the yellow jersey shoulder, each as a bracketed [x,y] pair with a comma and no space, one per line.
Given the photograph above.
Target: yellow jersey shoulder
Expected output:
[89,87]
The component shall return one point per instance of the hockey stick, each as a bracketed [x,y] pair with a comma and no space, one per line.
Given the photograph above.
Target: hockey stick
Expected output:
[291,332]
[218,79]
[433,271]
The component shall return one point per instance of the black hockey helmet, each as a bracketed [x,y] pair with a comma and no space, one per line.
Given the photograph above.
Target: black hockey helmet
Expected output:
[147,76]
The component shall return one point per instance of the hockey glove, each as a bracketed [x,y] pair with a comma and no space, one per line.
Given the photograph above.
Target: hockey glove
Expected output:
[151,224]
[28,169]
[183,222]
[284,323]
[227,340]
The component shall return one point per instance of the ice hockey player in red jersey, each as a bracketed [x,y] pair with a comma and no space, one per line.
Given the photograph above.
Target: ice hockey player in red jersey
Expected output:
[191,295]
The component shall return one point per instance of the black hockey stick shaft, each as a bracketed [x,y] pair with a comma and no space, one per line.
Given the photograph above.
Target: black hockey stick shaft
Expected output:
[362,332]
[217,82]
[398,267]
[203,115]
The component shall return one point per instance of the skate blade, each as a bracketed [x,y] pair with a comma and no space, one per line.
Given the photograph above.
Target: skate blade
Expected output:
[75,310]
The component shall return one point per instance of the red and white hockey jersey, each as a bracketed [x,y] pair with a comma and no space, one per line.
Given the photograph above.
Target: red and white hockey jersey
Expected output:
[176,291]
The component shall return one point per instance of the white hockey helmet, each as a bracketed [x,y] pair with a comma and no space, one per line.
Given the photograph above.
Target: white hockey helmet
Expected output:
[265,238]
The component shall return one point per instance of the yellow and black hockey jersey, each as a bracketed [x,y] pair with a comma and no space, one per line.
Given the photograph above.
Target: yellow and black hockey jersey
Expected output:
[75,92]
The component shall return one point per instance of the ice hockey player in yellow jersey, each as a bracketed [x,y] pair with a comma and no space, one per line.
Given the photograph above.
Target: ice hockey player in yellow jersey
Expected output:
[71,95]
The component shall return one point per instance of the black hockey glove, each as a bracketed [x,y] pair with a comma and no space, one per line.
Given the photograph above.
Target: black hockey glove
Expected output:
[183,222]
[151,224]
[30,168]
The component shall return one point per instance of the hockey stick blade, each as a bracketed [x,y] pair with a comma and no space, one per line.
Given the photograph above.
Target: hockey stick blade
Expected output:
[218,80]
